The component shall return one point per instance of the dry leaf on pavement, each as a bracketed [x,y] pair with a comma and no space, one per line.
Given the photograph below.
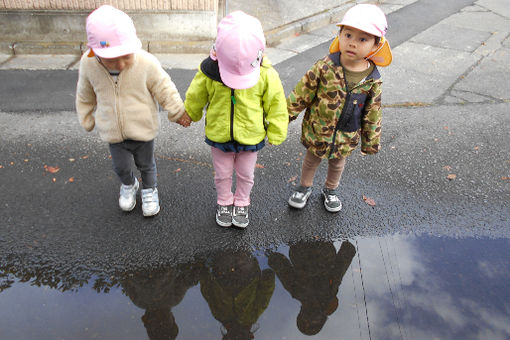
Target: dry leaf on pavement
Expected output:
[369,201]
[292,179]
[51,169]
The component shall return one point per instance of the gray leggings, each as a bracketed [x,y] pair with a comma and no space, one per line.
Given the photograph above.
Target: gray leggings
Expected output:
[143,155]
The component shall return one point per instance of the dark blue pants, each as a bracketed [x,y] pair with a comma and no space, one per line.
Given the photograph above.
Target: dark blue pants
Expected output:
[142,153]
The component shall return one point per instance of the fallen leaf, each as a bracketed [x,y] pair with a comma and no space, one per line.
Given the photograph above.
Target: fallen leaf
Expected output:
[451,176]
[71,159]
[71,179]
[52,169]
[12,163]
[54,179]
[1,166]
[177,170]
[476,148]
[505,178]
[292,179]
[259,166]
[25,160]
[369,201]
[84,157]
[447,167]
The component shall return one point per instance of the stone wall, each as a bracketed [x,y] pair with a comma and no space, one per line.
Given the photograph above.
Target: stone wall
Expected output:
[58,26]
[128,5]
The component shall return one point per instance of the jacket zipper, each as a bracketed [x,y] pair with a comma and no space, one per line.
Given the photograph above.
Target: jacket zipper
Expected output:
[232,103]
[117,105]
[117,100]
[347,98]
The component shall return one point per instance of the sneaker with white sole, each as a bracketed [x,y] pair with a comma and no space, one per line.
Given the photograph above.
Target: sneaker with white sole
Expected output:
[331,201]
[127,196]
[150,202]
[240,217]
[300,196]
[224,215]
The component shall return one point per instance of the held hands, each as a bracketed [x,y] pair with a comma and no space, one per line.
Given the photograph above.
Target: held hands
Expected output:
[185,120]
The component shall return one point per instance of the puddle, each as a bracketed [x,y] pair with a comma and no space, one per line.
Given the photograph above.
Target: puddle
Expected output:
[395,287]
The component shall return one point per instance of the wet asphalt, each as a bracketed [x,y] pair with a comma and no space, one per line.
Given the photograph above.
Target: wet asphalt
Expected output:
[443,171]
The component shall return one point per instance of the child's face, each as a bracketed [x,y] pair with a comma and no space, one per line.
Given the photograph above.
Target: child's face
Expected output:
[118,63]
[355,45]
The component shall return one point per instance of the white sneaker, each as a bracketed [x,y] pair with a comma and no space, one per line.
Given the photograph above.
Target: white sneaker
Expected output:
[150,202]
[127,198]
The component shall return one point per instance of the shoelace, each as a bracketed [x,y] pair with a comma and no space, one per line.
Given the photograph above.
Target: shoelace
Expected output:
[241,211]
[148,196]
[332,197]
[224,211]
[127,189]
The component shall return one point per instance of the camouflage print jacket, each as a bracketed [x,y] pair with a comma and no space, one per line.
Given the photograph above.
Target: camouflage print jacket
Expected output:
[335,119]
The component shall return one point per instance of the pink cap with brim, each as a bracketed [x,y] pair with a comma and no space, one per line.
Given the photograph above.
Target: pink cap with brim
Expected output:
[239,47]
[367,18]
[111,33]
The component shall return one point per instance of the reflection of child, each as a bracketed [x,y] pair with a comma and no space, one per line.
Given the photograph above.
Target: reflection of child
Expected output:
[342,97]
[119,86]
[237,292]
[245,103]
[312,274]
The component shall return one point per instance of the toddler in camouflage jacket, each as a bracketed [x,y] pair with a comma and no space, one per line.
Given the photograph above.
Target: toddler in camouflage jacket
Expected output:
[341,96]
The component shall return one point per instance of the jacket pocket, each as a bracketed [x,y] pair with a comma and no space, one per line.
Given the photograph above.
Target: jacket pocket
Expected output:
[352,112]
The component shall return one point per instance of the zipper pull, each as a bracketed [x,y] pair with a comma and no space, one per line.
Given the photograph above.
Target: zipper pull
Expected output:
[233,99]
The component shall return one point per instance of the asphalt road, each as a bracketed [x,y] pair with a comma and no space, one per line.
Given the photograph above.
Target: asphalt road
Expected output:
[70,221]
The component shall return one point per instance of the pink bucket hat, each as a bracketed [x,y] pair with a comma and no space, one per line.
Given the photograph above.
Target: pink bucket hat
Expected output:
[111,33]
[239,48]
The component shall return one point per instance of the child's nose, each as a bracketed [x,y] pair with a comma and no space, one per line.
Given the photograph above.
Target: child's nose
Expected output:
[121,64]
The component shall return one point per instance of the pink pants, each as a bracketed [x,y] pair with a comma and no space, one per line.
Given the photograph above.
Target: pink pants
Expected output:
[244,164]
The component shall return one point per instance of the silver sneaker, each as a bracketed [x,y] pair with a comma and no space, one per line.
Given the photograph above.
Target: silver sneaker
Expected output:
[224,215]
[331,201]
[240,217]
[300,196]
[127,196]
[150,202]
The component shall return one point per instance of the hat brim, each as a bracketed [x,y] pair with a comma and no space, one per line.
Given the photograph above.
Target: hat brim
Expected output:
[118,51]
[239,82]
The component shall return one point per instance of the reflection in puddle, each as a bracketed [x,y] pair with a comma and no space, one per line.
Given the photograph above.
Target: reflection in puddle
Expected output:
[380,288]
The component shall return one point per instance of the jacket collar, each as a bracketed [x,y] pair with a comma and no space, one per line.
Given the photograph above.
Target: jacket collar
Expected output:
[335,58]
[210,68]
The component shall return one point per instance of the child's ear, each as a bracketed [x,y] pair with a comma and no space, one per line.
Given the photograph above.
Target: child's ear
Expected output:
[376,47]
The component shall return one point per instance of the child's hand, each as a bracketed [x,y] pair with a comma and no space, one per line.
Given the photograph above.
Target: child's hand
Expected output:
[185,120]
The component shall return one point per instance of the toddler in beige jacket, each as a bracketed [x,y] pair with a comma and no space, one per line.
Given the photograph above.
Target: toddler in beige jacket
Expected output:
[119,88]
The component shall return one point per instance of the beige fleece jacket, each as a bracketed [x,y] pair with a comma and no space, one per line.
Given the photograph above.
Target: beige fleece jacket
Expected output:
[127,108]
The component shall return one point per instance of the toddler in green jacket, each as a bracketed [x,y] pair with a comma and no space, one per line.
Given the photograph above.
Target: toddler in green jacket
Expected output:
[245,104]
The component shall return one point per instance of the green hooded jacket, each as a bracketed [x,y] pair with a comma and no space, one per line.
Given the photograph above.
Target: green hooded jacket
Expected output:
[245,116]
